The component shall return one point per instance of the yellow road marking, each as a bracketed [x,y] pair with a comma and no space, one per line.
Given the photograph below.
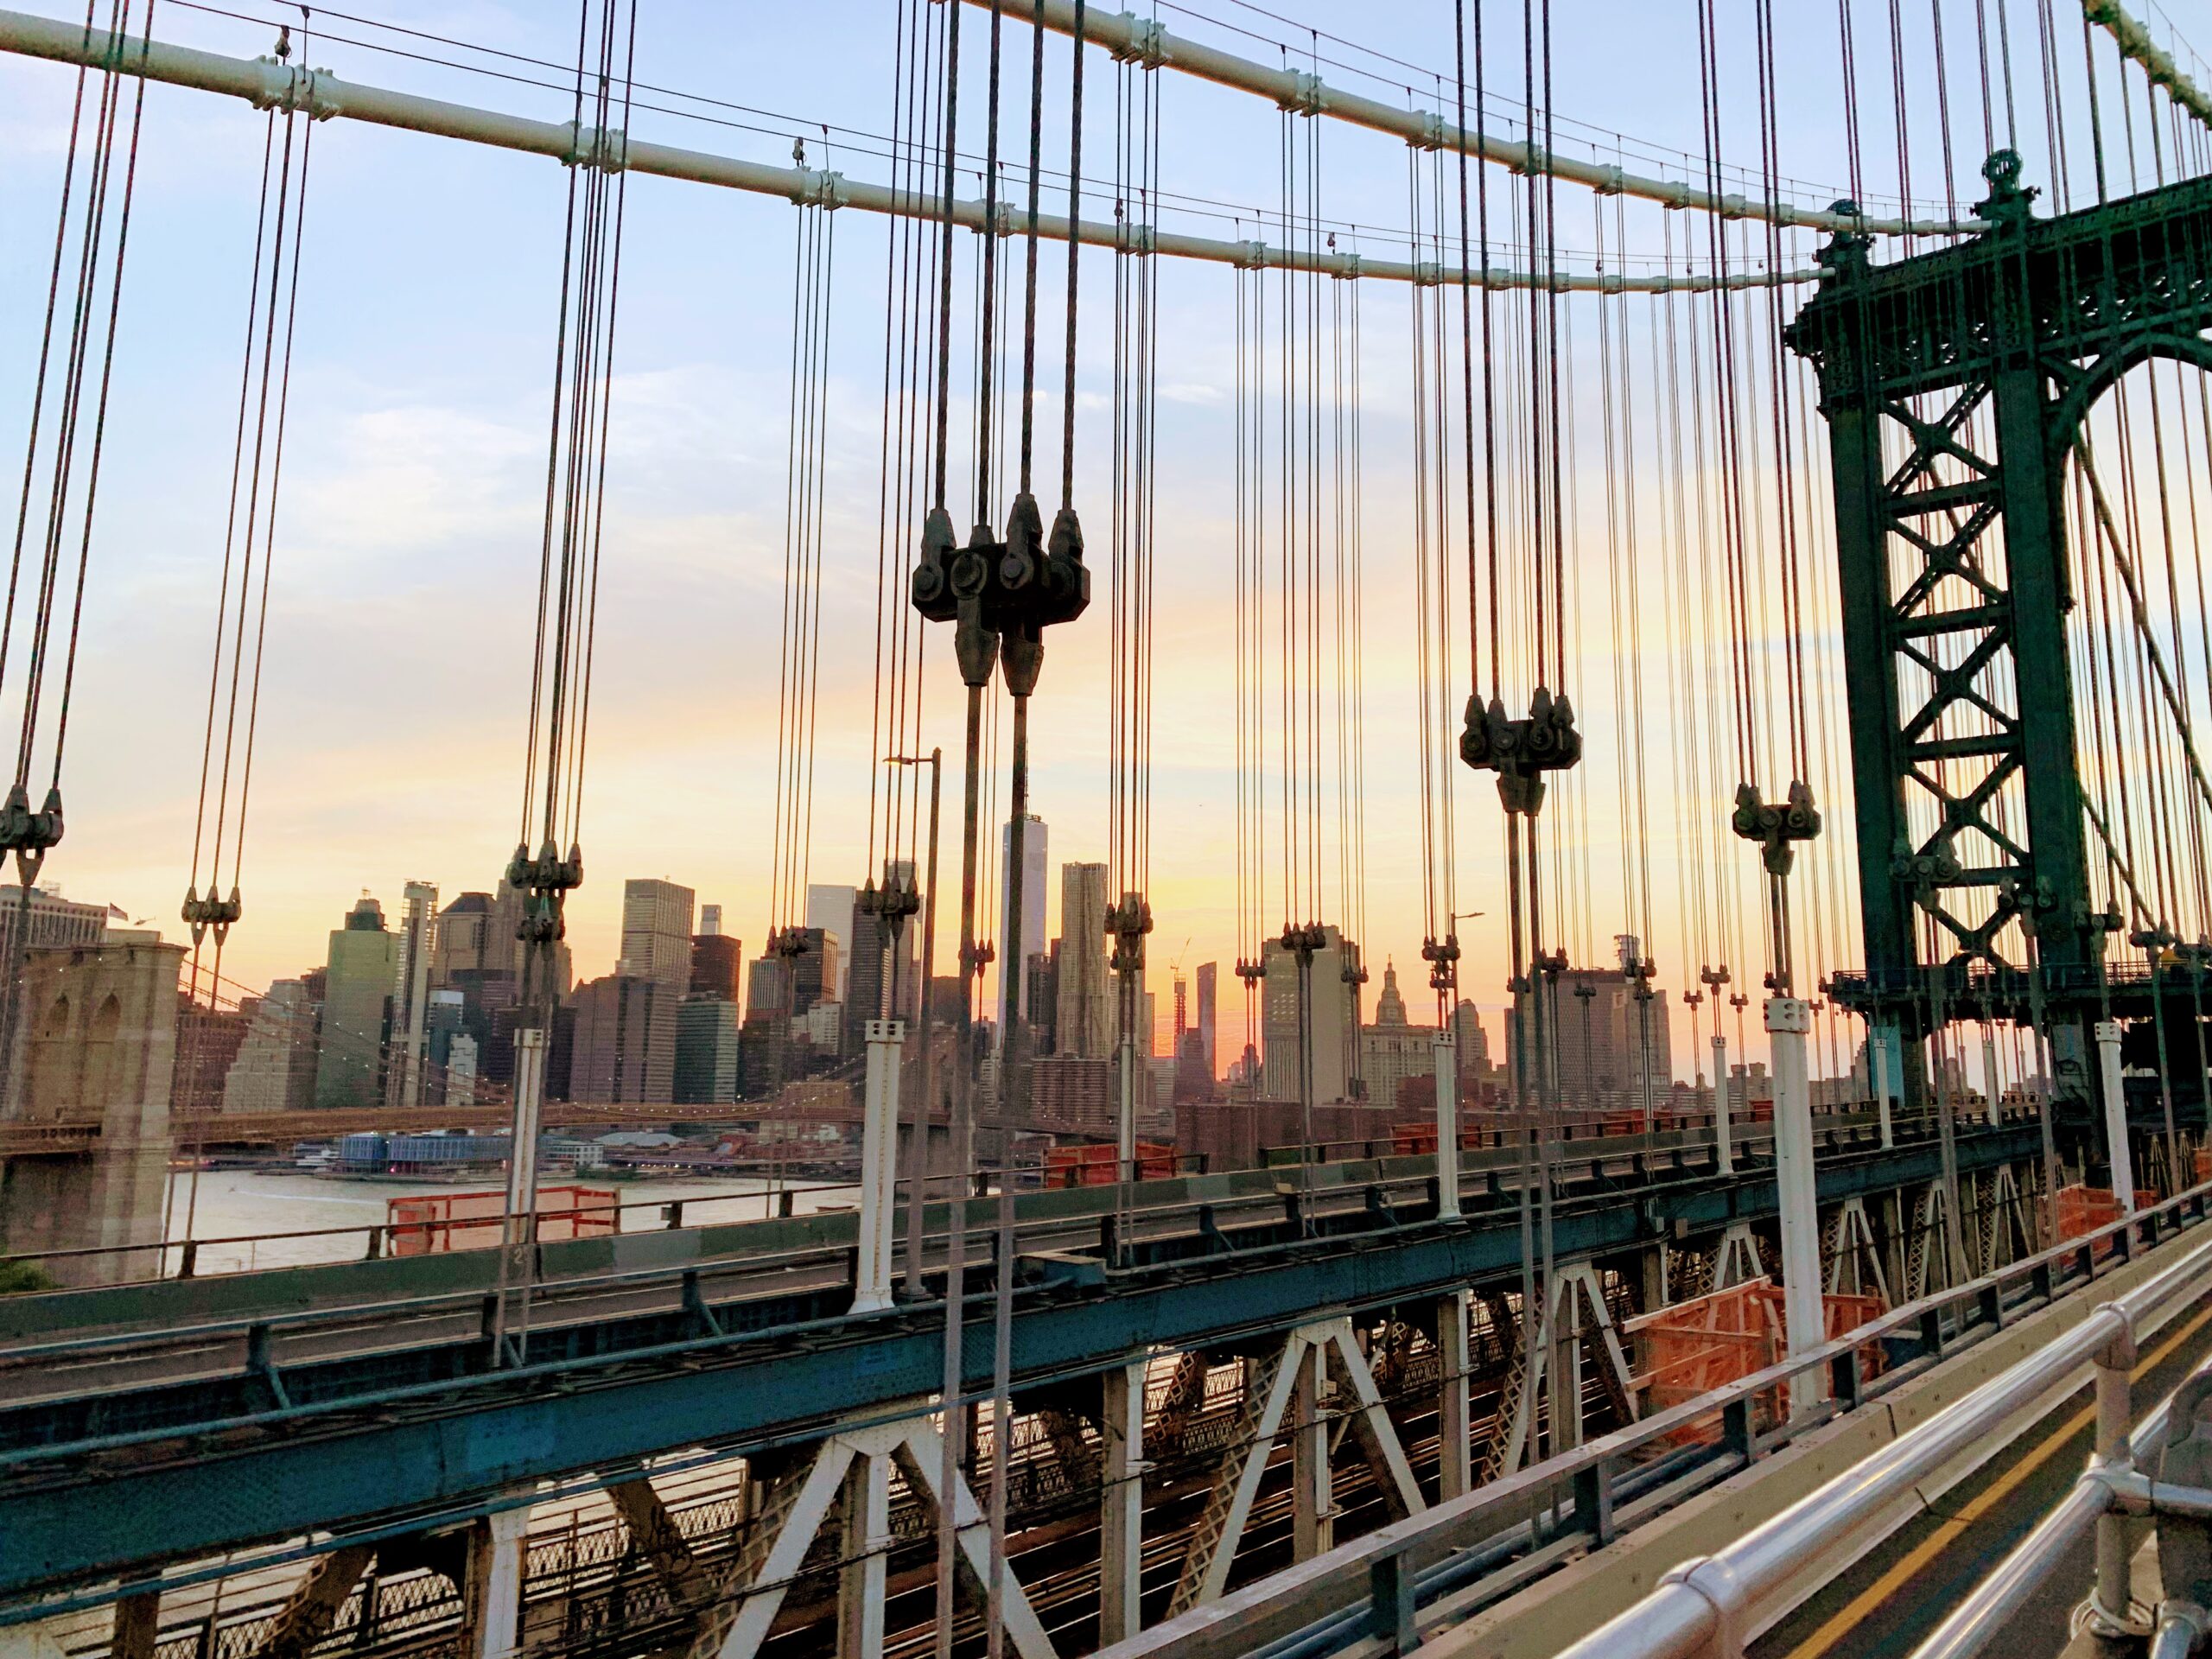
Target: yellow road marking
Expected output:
[1855,1613]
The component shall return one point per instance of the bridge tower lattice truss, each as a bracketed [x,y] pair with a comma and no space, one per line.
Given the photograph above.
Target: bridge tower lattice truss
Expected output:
[1955,386]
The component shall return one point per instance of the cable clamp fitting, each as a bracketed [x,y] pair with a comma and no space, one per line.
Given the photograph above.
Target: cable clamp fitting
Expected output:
[1427,273]
[1146,42]
[605,148]
[822,189]
[1432,131]
[1303,95]
[1714,1582]
[295,91]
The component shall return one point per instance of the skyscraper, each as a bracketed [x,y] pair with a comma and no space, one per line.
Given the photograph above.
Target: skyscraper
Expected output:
[710,919]
[656,933]
[1013,967]
[1084,1022]
[1333,1014]
[1604,1049]
[414,945]
[357,992]
[816,971]
[1208,974]
[1045,1000]
[1393,1049]
[461,1070]
[274,1071]
[466,949]
[1474,1041]
[624,1048]
[867,964]
[830,909]
[706,1052]
[717,965]
[766,1035]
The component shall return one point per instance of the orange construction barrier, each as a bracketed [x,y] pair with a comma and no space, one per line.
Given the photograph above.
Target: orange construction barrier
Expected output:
[1091,1165]
[473,1221]
[1418,1140]
[2083,1210]
[1689,1348]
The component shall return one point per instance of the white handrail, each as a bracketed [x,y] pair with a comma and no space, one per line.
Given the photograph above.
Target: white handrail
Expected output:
[1707,1601]
[2023,1575]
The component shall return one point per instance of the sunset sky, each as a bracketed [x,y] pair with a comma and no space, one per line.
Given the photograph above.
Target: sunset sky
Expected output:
[391,734]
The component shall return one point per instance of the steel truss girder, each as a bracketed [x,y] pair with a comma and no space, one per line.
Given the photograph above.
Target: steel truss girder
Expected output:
[855,1464]
[1575,1301]
[1853,1254]
[1273,1381]
[458,1457]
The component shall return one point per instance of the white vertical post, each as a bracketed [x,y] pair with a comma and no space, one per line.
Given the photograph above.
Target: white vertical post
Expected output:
[1121,1551]
[1447,1125]
[2111,1610]
[2123,1160]
[1789,1021]
[866,1546]
[1989,1071]
[1455,1358]
[1313,1504]
[522,1151]
[1721,1136]
[1566,1373]
[497,1568]
[879,1162]
[1125,1128]
[1877,1064]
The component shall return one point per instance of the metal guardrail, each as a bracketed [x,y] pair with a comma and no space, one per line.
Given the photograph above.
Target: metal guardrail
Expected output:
[1844,1129]
[1706,1605]
[251,1343]
[2110,1491]
[1374,1587]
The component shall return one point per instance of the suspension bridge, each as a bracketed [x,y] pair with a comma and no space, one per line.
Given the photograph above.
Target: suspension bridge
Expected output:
[1813,570]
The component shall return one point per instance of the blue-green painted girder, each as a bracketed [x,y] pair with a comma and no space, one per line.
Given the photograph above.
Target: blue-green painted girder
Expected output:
[441,1444]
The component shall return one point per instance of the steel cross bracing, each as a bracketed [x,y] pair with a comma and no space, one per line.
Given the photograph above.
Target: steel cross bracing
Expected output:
[282,1431]
[1981,362]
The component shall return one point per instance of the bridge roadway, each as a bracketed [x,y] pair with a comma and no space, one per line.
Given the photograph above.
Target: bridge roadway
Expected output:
[145,1424]
[1892,1600]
